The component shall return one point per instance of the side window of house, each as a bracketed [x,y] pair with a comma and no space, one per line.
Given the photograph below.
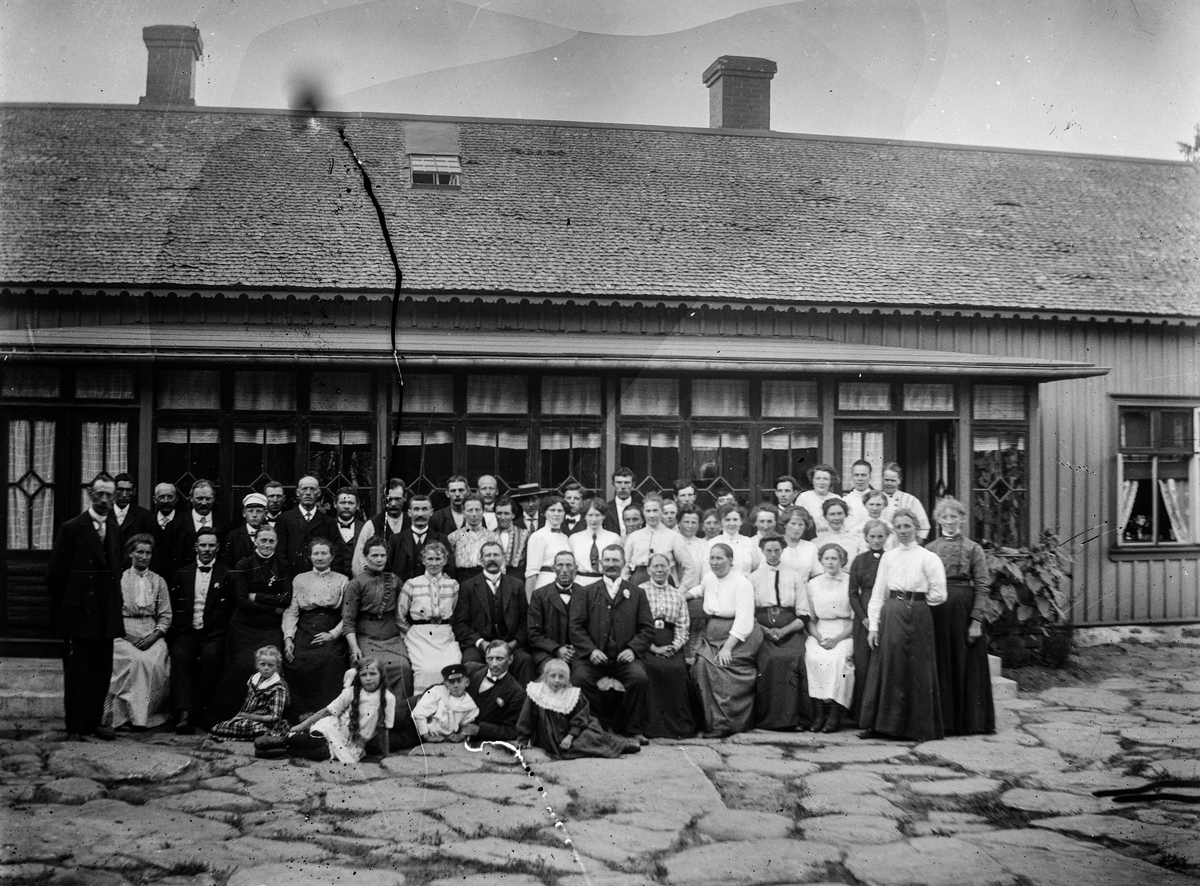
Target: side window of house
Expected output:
[1157,466]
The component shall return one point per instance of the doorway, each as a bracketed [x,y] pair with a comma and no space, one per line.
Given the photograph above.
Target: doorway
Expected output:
[924,448]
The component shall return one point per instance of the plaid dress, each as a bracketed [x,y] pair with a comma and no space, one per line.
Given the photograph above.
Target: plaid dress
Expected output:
[270,699]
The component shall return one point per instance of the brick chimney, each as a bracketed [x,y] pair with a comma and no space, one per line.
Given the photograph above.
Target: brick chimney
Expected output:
[739,92]
[171,71]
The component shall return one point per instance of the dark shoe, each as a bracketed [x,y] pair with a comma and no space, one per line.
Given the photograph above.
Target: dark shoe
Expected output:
[104,733]
[822,710]
[631,746]
[74,736]
[870,733]
[270,753]
[834,722]
[183,726]
[640,739]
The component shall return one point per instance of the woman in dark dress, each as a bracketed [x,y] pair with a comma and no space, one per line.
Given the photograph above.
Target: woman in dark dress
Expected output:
[862,580]
[316,652]
[672,703]
[781,698]
[964,679]
[262,588]
[901,697]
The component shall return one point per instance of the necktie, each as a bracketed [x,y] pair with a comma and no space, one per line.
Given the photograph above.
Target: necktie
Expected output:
[419,539]
[204,568]
[163,520]
[203,522]
[308,516]
[777,603]
[595,554]
[100,529]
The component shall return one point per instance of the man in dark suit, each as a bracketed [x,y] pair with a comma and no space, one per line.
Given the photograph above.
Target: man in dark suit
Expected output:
[451,517]
[276,497]
[202,602]
[611,628]
[349,527]
[492,606]
[299,526]
[239,543]
[573,496]
[166,497]
[405,548]
[385,524]
[203,498]
[623,497]
[498,695]
[527,497]
[513,538]
[549,634]
[84,581]
[130,516]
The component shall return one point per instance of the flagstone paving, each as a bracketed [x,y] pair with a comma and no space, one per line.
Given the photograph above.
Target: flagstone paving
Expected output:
[1013,808]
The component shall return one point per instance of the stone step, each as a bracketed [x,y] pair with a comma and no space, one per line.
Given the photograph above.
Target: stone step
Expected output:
[30,689]
[1003,688]
[994,666]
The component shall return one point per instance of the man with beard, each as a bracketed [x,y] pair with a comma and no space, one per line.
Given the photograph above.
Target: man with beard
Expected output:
[183,541]
[385,524]
[202,603]
[549,634]
[130,516]
[349,527]
[498,695]
[406,547]
[239,543]
[84,581]
[299,526]
[611,628]
[492,606]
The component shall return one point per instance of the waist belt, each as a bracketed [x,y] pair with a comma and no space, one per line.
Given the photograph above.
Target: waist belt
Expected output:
[590,574]
[910,596]
[546,569]
[426,621]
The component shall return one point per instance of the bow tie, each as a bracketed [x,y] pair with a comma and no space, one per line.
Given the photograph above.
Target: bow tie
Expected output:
[204,568]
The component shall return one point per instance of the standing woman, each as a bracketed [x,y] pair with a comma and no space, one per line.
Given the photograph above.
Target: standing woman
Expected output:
[745,556]
[262,587]
[725,668]
[780,607]
[544,545]
[316,652]
[141,677]
[863,571]
[799,554]
[587,543]
[369,619]
[835,511]
[427,605]
[829,653]
[901,697]
[964,678]
[710,523]
[671,700]
[824,480]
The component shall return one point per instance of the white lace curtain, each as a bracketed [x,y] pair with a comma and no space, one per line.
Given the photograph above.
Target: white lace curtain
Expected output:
[104,449]
[790,399]
[649,396]
[492,394]
[30,504]
[721,397]
[189,389]
[432,394]
[570,395]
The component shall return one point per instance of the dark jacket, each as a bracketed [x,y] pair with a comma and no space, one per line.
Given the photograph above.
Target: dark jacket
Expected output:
[598,622]
[137,520]
[182,531]
[549,620]
[238,546]
[295,533]
[343,551]
[218,605]
[443,521]
[165,559]
[499,707]
[84,580]
[610,519]
[473,611]
[404,557]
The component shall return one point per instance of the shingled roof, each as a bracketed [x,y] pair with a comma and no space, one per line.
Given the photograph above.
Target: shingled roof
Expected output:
[201,199]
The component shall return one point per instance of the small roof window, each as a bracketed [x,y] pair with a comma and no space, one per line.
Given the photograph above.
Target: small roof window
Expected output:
[435,170]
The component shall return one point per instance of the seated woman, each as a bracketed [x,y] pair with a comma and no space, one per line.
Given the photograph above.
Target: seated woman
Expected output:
[837,533]
[725,668]
[350,726]
[426,606]
[557,719]
[829,654]
[780,607]
[266,697]
[369,619]
[671,699]
[140,686]
[316,652]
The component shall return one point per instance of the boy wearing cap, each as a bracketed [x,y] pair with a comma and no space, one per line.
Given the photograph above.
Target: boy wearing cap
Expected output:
[239,544]
[446,712]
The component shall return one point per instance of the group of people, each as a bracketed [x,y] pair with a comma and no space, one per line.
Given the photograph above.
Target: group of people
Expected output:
[581,625]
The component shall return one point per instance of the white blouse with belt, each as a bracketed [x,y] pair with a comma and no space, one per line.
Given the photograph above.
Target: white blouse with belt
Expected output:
[909,568]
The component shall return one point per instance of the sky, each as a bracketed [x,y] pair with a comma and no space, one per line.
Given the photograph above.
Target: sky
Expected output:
[1088,76]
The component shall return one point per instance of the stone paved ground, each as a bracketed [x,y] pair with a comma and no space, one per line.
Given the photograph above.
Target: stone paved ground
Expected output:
[1012,808]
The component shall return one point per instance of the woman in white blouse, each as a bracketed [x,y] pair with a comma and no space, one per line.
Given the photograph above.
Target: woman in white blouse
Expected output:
[725,670]
[900,630]
[746,557]
[824,480]
[315,650]
[851,541]
[588,543]
[544,545]
[799,554]
[829,652]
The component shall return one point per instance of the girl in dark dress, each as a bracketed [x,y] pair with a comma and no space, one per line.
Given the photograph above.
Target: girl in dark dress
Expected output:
[862,579]
[263,590]
[557,719]
[964,679]
[316,652]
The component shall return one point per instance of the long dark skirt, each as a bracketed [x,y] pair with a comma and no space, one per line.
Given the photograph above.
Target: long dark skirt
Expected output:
[862,665]
[727,692]
[672,703]
[964,679]
[781,696]
[247,633]
[315,674]
[901,697]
